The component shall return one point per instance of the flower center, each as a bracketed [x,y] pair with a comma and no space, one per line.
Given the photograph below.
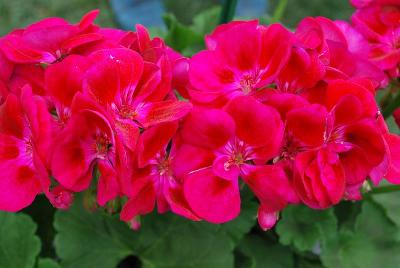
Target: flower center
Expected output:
[102,145]
[291,147]
[127,112]
[238,153]
[246,83]
[164,167]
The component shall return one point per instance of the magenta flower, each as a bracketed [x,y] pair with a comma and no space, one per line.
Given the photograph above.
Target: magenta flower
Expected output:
[242,57]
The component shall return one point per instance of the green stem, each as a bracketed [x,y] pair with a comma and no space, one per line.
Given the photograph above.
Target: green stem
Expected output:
[392,105]
[279,10]
[228,11]
[385,189]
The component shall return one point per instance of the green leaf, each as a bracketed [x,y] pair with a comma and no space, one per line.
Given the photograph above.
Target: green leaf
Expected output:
[263,253]
[182,243]
[47,263]
[393,127]
[179,36]
[391,204]
[88,239]
[372,243]
[303,227]
[19,246]
[206,21]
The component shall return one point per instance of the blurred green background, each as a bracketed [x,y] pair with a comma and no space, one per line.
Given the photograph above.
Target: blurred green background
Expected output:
[19,13]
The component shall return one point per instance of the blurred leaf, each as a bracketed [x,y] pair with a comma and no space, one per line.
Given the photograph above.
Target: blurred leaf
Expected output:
[19,246]
[189,39]
[299,9]
[88,239]
[20,13]
[206,21]
[390,203]
[47,263]
[186,10]
[303,227]
[372,243]
[264,253]
[180,36]
[303,263]
[392,125]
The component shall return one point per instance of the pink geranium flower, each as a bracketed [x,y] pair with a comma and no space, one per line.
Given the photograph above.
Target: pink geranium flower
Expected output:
[26,132]
[242,57]
[342,150]
[156,180]
[49,40]
[228,144]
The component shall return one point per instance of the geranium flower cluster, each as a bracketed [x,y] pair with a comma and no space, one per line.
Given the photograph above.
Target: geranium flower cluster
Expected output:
[292,115]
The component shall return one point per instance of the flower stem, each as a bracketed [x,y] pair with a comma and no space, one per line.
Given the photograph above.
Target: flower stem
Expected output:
[279,10]
[385,189]
[228,11]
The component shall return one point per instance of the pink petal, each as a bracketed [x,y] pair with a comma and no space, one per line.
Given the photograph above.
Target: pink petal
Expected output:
[266,218]
[153,140]
[256,124]
[207,128]
[300,121]
[220,169]
[162,112]
[213,199]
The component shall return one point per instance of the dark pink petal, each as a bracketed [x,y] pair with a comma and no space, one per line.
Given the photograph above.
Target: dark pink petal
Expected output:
[153,140]
[128,132]
[282,102]
[28,74]
[300,121]
[271,186]
[276,43]
[213,199]
[219,168]
[320,179]
[142,202]
[178,204]
[338,89]
[266,218]
[65,78]
[11,117]
[207,128]
[72,162]
[80,40]
[88,19]
[348,109]
[393,174]
[17,51]
[309,32]
[194,158]
[61,198]
[115,70]
[257,124]
[396,115]
[162,112]
[239,46]
[19,184]
[107,187]
[207,73]
[366,136]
